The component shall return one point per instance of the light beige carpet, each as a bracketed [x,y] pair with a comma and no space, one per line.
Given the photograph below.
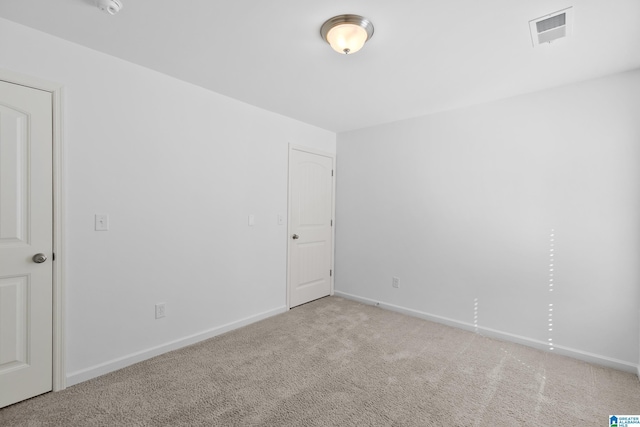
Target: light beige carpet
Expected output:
[336,362]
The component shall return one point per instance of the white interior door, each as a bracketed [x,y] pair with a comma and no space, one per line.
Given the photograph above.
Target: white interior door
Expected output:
[26,229]
[310,226]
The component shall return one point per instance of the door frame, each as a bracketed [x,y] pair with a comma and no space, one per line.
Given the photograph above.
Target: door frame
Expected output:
[302,148]
[58,280]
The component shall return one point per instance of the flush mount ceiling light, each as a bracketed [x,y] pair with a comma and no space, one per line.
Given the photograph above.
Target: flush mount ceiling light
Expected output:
[347,33]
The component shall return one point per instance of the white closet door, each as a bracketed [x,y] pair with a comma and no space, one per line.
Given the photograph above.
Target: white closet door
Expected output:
[310,226]
[26,241]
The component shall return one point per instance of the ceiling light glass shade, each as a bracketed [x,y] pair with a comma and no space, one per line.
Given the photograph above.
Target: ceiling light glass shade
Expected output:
[347,38]
[347,33]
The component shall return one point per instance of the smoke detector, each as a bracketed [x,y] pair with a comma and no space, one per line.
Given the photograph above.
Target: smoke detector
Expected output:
[110,6]
[551,27]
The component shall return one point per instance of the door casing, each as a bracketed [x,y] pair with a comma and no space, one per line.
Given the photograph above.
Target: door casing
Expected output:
[58,279]
[333,213]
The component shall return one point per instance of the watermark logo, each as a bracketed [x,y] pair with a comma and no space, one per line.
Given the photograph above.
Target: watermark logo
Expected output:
[624,420]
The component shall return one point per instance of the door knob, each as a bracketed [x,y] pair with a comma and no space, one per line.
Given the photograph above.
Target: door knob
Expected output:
[295,237]
[39,258]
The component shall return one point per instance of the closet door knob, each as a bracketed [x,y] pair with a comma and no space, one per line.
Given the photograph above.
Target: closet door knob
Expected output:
[39,258]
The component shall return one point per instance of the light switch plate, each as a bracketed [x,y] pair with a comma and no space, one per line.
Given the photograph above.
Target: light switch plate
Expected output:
[280,219]
[252,220]
[102,222]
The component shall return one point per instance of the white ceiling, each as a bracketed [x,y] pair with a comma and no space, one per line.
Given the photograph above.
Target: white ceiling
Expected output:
[425,56]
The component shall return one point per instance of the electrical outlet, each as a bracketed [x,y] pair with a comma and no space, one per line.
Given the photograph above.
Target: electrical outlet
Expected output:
[395,282]
[160,310]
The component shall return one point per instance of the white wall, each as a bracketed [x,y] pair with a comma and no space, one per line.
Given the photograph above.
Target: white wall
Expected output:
[178,169]
[460,205]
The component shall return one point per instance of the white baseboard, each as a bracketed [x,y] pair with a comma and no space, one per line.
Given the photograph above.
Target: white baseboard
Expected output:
[124,361]
[596,359]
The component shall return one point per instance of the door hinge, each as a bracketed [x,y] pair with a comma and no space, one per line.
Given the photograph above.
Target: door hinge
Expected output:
[53,256]
[332,223]
[331,172]
[330,273]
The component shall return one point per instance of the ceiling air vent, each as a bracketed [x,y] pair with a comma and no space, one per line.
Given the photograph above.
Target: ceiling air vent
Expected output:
[552,27]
